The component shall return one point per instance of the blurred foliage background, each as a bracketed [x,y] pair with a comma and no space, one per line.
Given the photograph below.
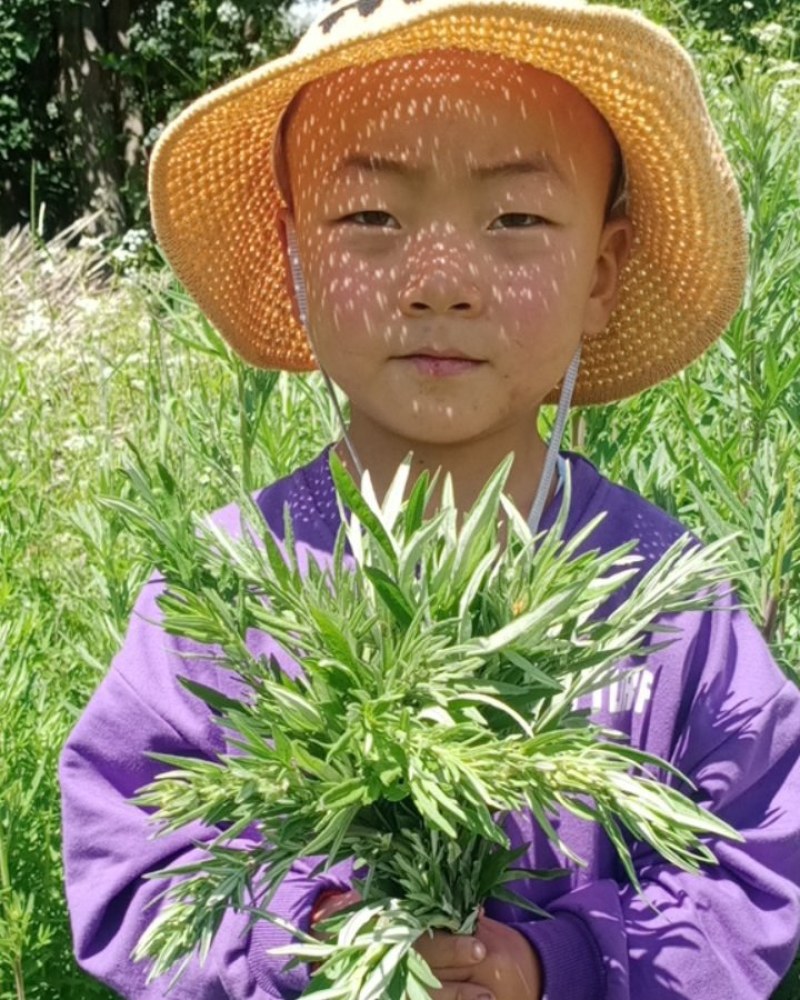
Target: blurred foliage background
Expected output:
[100,352]
[87,85]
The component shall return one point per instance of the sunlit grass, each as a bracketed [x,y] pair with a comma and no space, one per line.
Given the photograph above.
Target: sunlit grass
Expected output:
[95,367]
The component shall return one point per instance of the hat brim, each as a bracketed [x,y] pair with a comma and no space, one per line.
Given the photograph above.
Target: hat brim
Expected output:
[215,201]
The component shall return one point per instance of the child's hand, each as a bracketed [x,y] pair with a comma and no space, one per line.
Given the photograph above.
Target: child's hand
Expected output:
[327,905]
[504,966]
[330,903]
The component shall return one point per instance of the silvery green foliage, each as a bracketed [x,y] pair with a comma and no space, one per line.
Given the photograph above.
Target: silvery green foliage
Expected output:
[440,667]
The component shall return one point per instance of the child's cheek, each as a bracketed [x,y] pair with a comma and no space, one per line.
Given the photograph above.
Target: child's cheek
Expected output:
[529,297]
[347,294]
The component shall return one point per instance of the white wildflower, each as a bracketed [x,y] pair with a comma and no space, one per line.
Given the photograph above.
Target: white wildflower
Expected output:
[228,13]
[164,12]
[767,34]
[120,255]
[300,14]
[135,240]
[153,135]
[788,69]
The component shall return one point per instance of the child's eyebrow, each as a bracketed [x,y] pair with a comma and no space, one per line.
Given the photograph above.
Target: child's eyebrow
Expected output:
[539,163]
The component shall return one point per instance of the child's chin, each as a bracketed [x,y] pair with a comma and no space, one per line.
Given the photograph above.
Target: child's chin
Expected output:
[447,432]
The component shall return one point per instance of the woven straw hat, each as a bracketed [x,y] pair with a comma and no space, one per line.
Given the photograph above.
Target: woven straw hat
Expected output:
[214,196]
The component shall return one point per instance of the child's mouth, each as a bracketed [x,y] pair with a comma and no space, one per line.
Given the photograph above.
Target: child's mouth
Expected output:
[441,365]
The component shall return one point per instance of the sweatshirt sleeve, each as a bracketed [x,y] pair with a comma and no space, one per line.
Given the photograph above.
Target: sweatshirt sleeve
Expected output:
[733,929]
[140,707]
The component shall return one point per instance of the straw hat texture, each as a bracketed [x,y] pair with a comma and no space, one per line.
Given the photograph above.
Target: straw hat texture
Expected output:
[214,195]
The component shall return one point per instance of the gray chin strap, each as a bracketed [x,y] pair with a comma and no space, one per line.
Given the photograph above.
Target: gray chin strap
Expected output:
[302,307]
[551,458]
[567,389]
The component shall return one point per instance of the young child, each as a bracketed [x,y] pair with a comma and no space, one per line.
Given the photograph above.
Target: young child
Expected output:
[459,211]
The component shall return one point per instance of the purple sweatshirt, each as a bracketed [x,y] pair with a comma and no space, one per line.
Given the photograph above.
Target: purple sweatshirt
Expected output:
[713,703]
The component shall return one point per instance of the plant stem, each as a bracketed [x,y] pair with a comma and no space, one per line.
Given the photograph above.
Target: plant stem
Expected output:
[5,887]
[579,433]
[770,619]
[245,437]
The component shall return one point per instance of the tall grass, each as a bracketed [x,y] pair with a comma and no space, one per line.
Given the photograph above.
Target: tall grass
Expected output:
[92,367]
[88,371]
[718,445]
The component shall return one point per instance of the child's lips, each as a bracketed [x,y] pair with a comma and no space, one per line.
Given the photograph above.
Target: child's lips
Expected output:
[434,364]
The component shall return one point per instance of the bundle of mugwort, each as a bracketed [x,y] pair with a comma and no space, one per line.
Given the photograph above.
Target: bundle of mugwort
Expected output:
[440,666]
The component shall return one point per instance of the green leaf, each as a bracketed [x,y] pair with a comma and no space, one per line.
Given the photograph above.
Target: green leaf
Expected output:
[337,638]
[299,711]
[480,526]
[348,792]
[350,495]
[429,808]
[391,595]
[533,675]
[213,698]
[415,506]
[393,500]
[509,896]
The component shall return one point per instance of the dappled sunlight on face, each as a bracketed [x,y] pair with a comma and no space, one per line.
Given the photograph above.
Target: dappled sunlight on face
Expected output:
[448,209]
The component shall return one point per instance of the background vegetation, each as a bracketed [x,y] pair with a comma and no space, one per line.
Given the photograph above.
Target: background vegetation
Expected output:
[87,85]
[99,352]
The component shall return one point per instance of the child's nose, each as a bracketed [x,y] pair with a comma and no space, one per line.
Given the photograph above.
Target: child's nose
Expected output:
[442,287]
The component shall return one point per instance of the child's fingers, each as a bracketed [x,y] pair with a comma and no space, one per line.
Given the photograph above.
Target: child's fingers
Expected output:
[328,904]
[451,952]
[331,902]
[455,975]
[461,991]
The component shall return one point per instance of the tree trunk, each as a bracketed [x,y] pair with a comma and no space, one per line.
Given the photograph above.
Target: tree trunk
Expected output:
[89,91]
[129,113]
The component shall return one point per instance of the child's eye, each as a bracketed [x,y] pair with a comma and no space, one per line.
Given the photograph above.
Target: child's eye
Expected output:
[373,218]
[518,220]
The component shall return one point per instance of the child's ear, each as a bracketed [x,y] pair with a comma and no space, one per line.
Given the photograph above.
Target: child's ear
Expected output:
[613,250]
[285,218]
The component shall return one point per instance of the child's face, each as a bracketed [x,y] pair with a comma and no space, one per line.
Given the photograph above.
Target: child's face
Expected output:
[450,215]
